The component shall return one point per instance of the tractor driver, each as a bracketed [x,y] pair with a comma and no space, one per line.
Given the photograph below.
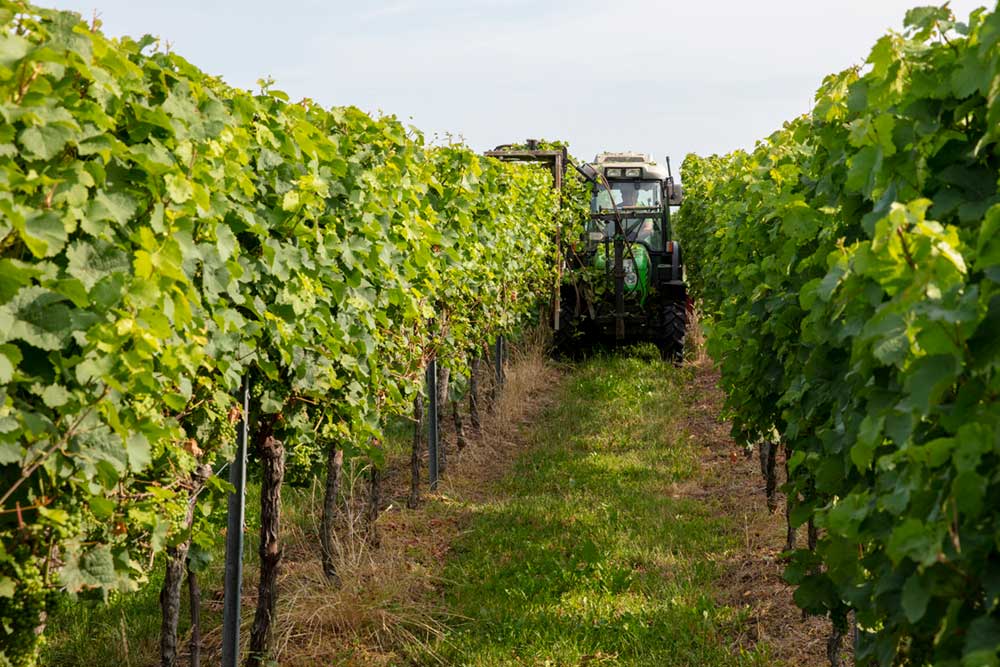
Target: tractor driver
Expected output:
[629,196]
[646,230]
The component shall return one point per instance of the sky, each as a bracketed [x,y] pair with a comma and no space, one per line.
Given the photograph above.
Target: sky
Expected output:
[665,77]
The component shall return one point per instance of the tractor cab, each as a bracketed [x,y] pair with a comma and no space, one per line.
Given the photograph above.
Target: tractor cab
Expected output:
[639,204]
[635,190]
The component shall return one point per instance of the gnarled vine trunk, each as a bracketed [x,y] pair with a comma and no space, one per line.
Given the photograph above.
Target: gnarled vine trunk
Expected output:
[769,458]
[833,646]
[177,565]
[456,413]
[491,359]
[474,366]
[374,501]
[170,603]
[444,374]
[790,535]
[194,604]
[272,458]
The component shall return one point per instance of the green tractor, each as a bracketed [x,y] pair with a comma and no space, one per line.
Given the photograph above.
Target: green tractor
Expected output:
[626,277]
[624,280]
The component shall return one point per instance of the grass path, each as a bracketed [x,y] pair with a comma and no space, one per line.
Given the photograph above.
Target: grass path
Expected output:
[591,550]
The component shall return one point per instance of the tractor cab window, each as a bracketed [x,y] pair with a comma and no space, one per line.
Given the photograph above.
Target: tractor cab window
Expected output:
[647,230]
[626,194]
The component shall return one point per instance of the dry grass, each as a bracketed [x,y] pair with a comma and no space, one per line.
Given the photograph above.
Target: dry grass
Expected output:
[389,602]
[380,603]
[528,388]
[388,607]
[694,340]
[752,575]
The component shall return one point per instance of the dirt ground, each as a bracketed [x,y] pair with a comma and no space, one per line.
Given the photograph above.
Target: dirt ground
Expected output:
[753,575]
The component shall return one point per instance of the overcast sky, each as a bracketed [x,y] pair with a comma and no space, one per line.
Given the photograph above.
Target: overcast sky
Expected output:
[667,77]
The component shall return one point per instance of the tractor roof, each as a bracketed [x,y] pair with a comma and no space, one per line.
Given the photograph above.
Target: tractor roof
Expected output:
[630,159]
[624,156]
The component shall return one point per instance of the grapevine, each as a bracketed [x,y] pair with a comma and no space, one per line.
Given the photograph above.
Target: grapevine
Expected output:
[849,266]
[164,235]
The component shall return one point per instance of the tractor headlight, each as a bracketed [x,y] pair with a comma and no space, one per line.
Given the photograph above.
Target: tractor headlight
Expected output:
[633,172]
[631,279]
[613,173]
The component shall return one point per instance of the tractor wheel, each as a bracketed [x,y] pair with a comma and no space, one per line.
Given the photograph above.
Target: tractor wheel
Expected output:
[562,340]
[572,339]
[673,323]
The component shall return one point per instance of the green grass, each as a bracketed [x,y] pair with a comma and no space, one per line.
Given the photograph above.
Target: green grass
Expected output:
[83,632]
[86,632]
[586,558]
[126,631]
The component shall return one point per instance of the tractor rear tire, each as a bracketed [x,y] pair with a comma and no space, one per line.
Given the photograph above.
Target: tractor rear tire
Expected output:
[573,340]
[673,325]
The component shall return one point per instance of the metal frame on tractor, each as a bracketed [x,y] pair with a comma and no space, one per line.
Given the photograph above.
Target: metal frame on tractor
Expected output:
[558,160]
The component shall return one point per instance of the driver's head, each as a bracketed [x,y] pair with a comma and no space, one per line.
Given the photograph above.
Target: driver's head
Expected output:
[629,195]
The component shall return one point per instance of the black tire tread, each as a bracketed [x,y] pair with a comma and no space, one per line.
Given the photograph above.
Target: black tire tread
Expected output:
[673,326]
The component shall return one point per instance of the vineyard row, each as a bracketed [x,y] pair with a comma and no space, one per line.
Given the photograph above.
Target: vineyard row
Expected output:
[164,237]
[849,266]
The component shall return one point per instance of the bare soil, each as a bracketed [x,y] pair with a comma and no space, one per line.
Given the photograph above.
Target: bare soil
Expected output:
[753,575]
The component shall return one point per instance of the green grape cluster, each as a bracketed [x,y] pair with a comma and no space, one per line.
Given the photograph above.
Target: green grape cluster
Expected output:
[21,614]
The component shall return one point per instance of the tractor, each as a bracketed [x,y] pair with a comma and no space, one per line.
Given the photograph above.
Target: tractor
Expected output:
[624,279]
[627,274]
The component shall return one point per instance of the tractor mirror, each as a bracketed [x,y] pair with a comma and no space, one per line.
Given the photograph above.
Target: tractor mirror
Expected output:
[675,194]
